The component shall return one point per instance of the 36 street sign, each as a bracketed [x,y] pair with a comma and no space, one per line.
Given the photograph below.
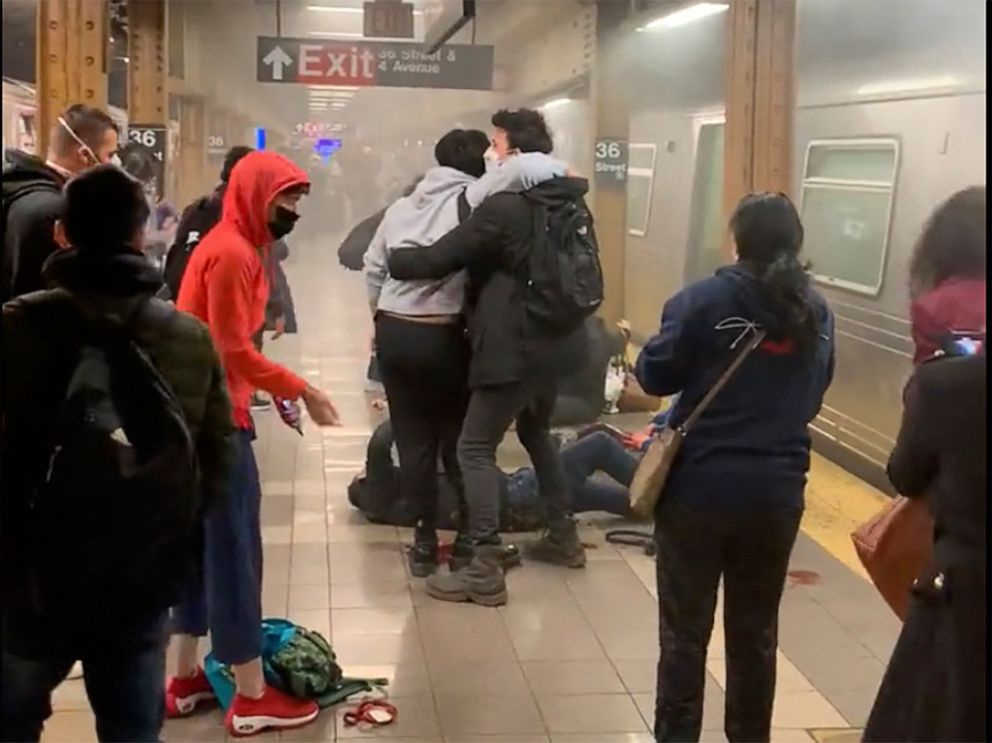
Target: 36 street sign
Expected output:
[384,64]
[153,138]
[611,162]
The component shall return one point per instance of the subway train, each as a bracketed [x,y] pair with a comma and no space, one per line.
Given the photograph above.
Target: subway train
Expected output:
[889,122]
[20,116]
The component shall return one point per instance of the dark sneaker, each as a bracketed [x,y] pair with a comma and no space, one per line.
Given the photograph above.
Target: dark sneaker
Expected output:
[559,546]
[422,558]
[462,551]
[482,582]
[260,403]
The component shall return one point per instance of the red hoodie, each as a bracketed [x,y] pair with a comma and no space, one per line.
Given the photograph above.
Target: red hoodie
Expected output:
[954,305]
[226,286]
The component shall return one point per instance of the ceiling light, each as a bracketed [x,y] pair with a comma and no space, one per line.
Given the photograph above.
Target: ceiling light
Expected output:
[889,87]
[557,102]
[337,34]
[354,11]
[685,16]
[331,94]
[334,87]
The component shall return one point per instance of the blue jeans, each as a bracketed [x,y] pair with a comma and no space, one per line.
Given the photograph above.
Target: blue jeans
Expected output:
[597,452]
[124,673]
[228,602]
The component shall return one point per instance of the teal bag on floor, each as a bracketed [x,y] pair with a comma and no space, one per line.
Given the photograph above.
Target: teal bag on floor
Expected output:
[297,661]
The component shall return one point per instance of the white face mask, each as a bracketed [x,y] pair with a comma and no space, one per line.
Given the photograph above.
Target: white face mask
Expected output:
[491,159]
[114,159]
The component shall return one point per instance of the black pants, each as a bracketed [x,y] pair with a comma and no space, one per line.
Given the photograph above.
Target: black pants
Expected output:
[424,369]
[491,410]
[750,550]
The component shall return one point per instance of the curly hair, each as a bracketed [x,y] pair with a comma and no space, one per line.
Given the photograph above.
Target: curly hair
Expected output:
[952,244]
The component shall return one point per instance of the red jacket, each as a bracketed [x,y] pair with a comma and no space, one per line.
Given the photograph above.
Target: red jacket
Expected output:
[226,284]
[954,305]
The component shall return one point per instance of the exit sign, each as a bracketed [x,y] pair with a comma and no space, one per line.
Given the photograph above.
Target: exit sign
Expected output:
[389,19]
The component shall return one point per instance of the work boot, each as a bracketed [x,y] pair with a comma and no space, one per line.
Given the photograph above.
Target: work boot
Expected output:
[482,582]
[422,556]
[559,545]
[463,549]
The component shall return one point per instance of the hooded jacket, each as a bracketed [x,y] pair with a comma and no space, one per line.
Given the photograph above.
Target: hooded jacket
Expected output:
[754,433]
[954,306]
[493,245]
[226,282]
[40,354]
[35,192]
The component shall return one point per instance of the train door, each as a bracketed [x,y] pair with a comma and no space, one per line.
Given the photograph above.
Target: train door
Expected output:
[706,224]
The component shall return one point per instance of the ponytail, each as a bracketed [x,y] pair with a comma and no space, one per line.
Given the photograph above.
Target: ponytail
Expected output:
[769,235]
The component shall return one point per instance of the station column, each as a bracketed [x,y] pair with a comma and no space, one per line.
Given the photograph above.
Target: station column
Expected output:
[147,83]
[71,59]
[610,124]
[760,98]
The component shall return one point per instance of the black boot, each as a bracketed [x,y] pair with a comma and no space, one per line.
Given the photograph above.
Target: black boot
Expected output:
[559,545]
[463,549]
[422,556]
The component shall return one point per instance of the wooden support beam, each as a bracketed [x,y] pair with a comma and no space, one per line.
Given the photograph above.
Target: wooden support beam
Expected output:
[148,85]
[71,59]
[760,99]
[192,148]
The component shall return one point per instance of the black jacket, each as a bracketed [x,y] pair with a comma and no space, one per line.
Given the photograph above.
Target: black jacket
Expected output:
[493,245]
[351,254]
[936,684]
[755,432]
[40,352]
[29,230]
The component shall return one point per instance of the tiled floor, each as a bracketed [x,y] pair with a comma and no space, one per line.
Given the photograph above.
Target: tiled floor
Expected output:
[571,657]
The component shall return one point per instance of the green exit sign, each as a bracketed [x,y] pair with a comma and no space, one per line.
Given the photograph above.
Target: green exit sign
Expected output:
[389,19]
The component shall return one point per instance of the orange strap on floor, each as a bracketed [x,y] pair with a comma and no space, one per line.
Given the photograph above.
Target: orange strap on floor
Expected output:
[372,712]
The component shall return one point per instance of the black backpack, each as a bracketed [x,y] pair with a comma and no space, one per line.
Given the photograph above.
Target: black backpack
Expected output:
[196,221]
[116,519]
[564,280]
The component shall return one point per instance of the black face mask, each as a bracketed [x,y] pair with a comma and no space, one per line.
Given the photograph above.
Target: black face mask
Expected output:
[283,223]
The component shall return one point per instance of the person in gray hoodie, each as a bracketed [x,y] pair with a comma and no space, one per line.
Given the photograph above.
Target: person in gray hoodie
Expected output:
[420,333]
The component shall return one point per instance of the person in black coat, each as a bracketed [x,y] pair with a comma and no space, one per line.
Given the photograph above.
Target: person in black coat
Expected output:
[515,366]
[32,193]
[936,684]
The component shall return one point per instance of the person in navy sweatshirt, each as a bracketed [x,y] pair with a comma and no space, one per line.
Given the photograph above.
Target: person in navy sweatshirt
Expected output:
[734,498]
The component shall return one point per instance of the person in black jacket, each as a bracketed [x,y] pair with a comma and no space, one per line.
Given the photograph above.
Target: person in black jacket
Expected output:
[936,684]
[515,365]
[32,193]
[734,497]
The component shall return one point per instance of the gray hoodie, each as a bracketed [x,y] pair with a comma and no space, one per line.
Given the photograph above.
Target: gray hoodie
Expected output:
[427,215]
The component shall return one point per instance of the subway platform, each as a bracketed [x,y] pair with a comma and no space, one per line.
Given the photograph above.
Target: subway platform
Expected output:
[571,658]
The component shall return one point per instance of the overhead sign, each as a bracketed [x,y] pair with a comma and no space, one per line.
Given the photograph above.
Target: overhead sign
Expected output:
[389,19]
[385,64]
[611,161]
[317,128]
[153,139]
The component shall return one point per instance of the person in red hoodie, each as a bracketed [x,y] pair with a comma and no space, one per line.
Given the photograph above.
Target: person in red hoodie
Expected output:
[226,286]
[947,275]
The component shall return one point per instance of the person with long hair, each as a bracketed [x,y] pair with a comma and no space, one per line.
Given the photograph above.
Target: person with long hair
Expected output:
[947,274]
[735,495]
[936,684]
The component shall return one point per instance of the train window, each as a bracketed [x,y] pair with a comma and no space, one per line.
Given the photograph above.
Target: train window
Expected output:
[640,182]
[846,207]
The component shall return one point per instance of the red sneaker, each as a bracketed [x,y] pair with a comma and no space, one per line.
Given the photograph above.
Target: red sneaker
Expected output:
[182,695]
[273,710]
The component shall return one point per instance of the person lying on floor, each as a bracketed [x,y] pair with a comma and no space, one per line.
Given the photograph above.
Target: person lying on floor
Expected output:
[376,492]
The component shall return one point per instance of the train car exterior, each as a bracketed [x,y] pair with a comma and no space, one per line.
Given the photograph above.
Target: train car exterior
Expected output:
[20,116]
[889,121]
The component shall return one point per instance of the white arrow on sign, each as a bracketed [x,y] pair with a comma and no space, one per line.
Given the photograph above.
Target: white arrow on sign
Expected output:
[278,60]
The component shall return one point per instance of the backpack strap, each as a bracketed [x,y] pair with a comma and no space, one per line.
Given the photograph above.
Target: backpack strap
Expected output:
[464,208]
